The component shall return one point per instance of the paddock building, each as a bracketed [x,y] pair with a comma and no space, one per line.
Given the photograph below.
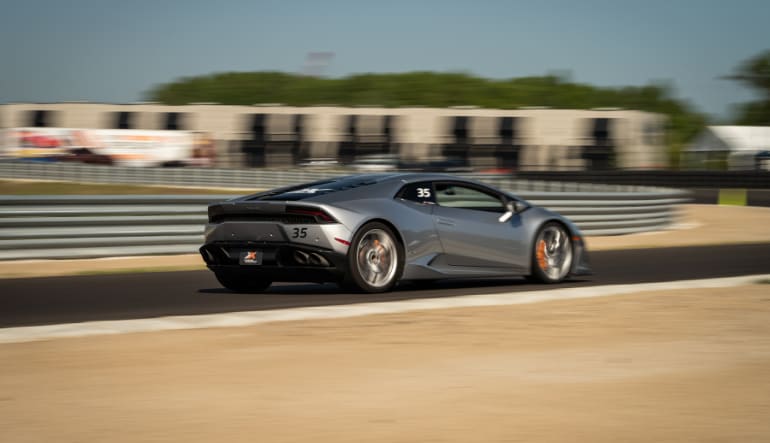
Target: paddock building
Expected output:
[275,135]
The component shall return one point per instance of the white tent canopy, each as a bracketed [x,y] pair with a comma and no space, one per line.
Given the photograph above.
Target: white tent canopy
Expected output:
[732,138]
[739,145]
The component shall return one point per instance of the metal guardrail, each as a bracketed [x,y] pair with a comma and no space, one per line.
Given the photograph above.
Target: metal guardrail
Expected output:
[53,227]
[39,227]
[246,178]
[676,179]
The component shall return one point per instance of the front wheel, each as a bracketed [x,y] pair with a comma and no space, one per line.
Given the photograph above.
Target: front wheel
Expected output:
[375,259]
[242,283]
[552,253]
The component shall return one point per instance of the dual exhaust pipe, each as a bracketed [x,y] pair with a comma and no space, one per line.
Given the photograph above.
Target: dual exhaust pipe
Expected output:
[213,256]
[311,259]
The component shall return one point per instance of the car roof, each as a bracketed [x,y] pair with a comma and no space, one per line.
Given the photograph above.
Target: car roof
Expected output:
[409,177]
[375,184]
[401,178]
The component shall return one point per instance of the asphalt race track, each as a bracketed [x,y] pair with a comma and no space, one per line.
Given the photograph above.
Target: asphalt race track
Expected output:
[52,300]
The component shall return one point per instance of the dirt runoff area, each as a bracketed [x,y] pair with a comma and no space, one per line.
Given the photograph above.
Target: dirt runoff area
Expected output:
[665,367]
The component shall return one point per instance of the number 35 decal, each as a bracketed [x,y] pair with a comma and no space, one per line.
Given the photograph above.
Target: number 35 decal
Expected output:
[423,192]
[299,233]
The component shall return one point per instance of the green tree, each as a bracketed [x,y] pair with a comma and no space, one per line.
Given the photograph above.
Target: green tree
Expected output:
[755,73]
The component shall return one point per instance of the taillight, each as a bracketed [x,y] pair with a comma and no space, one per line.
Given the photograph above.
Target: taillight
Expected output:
[320,215]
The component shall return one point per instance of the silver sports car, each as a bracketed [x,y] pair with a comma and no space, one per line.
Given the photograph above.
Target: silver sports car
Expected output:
[368,232]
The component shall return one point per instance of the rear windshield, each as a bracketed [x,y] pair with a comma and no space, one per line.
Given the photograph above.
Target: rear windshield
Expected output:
[309,190]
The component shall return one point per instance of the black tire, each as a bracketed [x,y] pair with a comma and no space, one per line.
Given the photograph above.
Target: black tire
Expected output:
[552,253]
[242,283]
[370,264]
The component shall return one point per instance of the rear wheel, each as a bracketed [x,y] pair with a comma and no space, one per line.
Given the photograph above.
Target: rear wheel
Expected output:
[552,254]
[375,259]
[243,283]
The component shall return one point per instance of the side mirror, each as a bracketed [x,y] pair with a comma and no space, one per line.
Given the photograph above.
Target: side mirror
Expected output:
[511,207]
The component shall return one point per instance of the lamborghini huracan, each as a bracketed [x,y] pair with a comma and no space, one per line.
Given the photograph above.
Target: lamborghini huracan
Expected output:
[368,232]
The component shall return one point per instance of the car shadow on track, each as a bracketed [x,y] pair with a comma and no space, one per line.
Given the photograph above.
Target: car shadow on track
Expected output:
[408,289]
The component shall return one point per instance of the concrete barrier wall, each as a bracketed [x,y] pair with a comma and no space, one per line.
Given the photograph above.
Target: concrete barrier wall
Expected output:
[553,139]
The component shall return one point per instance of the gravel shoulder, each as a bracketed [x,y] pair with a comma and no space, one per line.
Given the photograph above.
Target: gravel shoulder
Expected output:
[672,366]
[684,365]
[698,225]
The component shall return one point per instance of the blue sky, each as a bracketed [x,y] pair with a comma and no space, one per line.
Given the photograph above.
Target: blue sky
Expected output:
[115,51]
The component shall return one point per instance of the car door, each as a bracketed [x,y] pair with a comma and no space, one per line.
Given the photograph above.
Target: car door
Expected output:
[467,219]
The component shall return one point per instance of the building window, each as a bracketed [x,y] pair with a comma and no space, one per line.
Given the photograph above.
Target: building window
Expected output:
[124,120]
[40,118]
[174,121]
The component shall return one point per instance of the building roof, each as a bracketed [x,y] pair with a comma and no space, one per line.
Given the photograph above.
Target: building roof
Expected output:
[733,139]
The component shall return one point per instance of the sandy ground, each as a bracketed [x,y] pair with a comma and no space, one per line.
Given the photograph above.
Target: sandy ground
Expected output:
[699,225]
[676,366]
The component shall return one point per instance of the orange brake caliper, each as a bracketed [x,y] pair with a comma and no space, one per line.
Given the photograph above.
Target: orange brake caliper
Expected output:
[540,255]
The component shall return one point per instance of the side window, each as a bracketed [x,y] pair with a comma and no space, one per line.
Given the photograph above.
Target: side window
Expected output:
[421,192]
[453,195]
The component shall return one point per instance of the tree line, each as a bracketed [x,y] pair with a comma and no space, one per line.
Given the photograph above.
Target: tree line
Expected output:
[438,89]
